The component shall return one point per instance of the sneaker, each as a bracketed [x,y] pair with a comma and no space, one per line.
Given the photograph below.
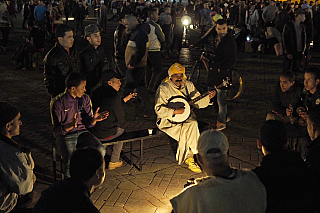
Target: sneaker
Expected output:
[112,166]
[193,166]
[220,126]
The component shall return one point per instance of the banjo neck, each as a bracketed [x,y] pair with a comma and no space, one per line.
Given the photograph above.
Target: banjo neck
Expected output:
[191,102]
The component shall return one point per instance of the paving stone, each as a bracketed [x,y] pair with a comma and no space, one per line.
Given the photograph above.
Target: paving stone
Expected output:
[108,209]
[138,205]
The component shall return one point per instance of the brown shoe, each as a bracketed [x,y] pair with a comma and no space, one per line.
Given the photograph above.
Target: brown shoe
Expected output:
[112,166]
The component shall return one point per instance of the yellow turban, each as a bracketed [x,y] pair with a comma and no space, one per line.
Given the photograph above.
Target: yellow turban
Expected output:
[177,68]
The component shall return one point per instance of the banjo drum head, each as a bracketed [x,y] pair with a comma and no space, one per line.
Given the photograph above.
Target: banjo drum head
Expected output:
[179,118]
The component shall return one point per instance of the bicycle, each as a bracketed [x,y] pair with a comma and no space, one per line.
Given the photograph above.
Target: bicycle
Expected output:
[234,89]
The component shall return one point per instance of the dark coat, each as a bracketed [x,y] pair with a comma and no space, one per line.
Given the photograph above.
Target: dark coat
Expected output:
[57,65]
[282,19]
[281,100]
[121,39]
[79,12]
[309,100]
[290,38]
[225,58]
[107,99]
[66,196]
[288,183]
[93,63]
[313,157]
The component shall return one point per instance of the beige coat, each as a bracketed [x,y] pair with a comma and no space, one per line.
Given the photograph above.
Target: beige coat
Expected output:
[186,133]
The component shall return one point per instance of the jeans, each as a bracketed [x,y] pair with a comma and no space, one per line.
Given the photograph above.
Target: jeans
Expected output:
[295,61]
[154,70]
[5,36]
[79,22]
[222,103]
[135,79]
[116,148]
[69,142]
[121,66]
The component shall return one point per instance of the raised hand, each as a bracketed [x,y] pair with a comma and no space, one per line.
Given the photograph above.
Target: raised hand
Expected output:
[75,120]
[100,116]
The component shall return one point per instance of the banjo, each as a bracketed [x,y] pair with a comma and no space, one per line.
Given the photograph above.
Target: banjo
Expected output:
[179,101]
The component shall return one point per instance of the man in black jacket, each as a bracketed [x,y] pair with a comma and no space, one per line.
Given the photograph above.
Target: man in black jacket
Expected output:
[286,98]
[225,51]
[136,60]
[106,97]
[294,41]
[94,58]
[61,60]
[289,185]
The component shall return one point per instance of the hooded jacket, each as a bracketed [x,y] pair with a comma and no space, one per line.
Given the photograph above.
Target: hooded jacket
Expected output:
[107,98]
[137,48]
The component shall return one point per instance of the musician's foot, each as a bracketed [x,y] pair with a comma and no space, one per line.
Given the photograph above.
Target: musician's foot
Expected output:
[193,166]
[115,165]
[220,126]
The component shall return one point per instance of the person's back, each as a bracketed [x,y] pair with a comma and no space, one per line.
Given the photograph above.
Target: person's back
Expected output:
[283,173]
[243,193]
[73,194]
[68,195]
[285,177]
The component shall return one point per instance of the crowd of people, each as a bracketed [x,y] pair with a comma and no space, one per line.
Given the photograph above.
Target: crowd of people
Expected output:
[87,100]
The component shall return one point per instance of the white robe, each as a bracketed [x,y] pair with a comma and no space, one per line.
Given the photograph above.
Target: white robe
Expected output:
[186,133]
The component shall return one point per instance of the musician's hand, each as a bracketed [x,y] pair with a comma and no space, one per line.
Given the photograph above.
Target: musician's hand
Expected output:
[289,112]
[191,46]
[218,70]
[212,94]
[178,111]
[290,56]
[130,67]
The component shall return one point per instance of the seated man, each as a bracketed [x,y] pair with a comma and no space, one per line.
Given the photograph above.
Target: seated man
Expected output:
[186,133]
[16,164]
[285,99]
[309,99]
[87,170]
[71,114]
[224,189]
[106,98]
[283,173]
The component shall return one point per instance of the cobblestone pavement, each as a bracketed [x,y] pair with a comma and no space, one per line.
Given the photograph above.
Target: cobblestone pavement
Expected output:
[126,189]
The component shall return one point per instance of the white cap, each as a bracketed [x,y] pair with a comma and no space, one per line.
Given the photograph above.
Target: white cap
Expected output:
[213,144]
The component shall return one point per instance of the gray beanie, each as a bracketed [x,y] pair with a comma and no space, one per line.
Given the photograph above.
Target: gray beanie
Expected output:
[7,113]
[90,29]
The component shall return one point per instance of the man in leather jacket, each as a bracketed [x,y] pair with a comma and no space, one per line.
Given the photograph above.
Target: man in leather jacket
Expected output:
[294,42]
[61,60]
[94,58]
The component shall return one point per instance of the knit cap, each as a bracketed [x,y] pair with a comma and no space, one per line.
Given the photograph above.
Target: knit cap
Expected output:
[7,113]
